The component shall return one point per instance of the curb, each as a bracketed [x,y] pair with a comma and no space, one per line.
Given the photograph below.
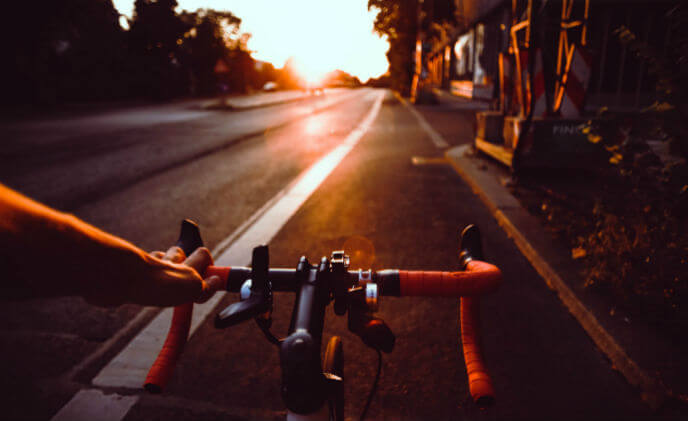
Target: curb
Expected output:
[227,106]
[489,190]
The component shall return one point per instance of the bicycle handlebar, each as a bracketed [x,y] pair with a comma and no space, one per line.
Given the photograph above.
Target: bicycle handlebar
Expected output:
[479,380]
[163,367]
[161,370]
[477,279]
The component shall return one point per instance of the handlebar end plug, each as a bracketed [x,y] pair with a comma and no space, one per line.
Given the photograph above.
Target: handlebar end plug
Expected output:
[471,245]
[189,237]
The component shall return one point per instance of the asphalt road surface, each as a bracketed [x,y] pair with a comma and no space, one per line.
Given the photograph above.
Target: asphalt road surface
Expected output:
[137,172]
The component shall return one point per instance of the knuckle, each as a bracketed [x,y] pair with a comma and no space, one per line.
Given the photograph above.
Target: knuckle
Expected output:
[175,254]
[202,255]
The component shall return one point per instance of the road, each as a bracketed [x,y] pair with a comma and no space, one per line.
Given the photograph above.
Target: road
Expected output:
[137,172]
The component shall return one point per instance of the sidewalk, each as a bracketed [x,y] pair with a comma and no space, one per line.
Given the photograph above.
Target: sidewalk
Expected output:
[71,111]
[646,359]
[260,99]
[460,103]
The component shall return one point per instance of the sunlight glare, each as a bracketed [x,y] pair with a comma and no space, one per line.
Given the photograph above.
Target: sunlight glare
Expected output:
[313,71]
[322,35]
[314,126]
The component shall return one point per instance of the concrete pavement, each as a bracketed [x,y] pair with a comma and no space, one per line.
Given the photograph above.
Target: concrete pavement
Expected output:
[261,99]
[543,364]
[44,340]
[111,151]
[646,359]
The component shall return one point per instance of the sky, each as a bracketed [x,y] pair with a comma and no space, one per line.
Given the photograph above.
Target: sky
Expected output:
[322,35]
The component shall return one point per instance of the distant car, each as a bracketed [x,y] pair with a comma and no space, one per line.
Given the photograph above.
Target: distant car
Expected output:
[270,87]
[314,88]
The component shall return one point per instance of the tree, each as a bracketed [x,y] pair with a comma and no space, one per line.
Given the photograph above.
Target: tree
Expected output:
[155,40]
[400,21]
[639,242]
[210,37]
[289,77]
[77,50]
[265,72]
[60,51]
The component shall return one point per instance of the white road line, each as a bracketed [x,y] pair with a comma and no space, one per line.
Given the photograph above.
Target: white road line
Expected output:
[130,366]
[436,138]
[92,404]
[291,199]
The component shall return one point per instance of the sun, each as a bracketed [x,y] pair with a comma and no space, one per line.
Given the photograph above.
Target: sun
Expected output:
[322,35]
[310,69]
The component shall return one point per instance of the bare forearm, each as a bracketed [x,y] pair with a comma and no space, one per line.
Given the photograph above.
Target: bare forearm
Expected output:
[44,252]
[51,253]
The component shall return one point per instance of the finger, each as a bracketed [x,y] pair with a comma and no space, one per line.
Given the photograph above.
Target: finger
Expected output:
[175,255]
[181,283]
[171,285]
[157,254]
[199,259]
[210,286]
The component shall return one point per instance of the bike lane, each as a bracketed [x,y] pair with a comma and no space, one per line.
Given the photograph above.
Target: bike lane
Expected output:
[51,348]
[543,364]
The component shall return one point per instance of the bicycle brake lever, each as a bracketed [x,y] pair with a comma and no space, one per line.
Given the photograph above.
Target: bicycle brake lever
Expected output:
[235,313]
[259,301]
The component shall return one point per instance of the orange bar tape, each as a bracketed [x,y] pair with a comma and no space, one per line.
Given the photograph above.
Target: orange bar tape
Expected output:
[221,271]
[479,278]
[479,381]
[163,367]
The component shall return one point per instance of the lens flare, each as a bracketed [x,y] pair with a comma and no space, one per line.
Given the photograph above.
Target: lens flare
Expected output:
[361,251]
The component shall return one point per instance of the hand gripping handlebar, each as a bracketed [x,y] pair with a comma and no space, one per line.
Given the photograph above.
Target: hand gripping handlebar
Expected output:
[476,279]
[163,367]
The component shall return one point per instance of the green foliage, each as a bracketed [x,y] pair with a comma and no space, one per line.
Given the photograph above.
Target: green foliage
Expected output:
[155,43]
[63,50]
[76,50]
[667,118]
[211,35]
[400,21]
[638,246]
[639,254]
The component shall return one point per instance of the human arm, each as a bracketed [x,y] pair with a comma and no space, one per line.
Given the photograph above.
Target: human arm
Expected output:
[44,252]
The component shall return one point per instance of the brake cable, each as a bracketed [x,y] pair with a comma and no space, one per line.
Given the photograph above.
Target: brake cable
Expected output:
[373,389]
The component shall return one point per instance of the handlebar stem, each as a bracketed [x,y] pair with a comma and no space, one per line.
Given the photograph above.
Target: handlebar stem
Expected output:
[303,383]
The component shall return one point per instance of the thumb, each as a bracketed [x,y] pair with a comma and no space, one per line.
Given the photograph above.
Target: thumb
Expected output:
[199,260]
